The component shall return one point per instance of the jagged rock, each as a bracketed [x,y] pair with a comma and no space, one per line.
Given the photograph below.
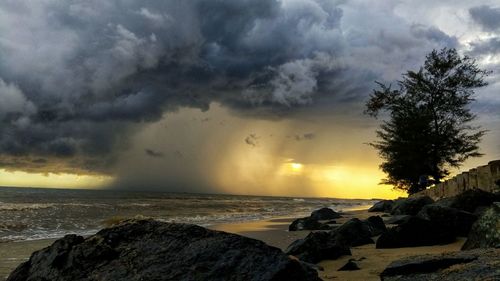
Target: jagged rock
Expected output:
[318,246]
[382,206]
[307,223]
[410,206]
[471,199]
[152,250]
[485,232]
[354,232]
[325,214]
[459,221]
[397,219]
[415,232]
[466,265]
[349,266]
[376,225]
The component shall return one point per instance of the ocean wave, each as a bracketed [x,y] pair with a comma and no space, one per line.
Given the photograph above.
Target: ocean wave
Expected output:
[25,206]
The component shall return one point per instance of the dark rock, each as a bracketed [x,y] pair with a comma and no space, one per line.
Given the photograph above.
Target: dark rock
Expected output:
[480,210]
[152,250]
[349,266]
[458,221]
[485,232]
[471,199]
[318,246]
[325,214]
[410,206]
[382,206]
[397,219]
[445,202]
[307,223]
[415,232]
[466,265]
[386,216]
[376,225]
[331,222]
[354,232]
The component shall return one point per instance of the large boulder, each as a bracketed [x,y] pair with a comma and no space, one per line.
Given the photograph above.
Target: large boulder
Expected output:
[411,205]
[485,232]
[382,206]
[397,219]
[307,223]
[152,250]
[471,199]
[466,265]
[415,232]
[376,225]
[318,246]
[459,221]
[325,214]
[354,232]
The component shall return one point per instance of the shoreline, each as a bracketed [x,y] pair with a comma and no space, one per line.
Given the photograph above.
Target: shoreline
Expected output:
[275,233]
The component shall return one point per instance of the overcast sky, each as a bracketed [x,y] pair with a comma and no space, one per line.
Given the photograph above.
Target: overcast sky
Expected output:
[220,96]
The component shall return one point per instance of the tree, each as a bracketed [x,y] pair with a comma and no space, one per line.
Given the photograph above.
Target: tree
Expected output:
[428,129]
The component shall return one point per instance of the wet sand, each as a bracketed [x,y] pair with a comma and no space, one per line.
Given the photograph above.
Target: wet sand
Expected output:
[14,253]
[275,233]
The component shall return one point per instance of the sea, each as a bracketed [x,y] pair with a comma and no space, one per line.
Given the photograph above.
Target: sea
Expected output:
[38,213]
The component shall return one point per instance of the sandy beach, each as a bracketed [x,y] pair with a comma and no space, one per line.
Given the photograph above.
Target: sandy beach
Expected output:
[275,233]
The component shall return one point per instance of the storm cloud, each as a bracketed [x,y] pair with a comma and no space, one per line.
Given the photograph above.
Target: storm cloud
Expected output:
[78,77]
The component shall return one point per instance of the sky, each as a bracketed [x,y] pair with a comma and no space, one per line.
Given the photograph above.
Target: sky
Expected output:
[258,97]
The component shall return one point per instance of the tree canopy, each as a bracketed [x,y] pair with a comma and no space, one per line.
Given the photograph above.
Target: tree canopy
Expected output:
[427,129]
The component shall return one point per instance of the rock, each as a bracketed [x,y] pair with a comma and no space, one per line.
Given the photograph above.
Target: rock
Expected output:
[331,222]
[397,219]
[382,206]
[325,214]
[317,246]
[471,199]
[466,265]
[307,223]
[459,221]
[410,206]
[485,232]
[415,232]
[349,266]
[152,250]
[354,232]
[376,225]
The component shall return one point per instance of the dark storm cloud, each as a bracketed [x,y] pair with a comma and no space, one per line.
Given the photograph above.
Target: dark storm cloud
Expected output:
[77,76]
[252,140]
[154,154]
[306,136]
[488,17]
[489,46]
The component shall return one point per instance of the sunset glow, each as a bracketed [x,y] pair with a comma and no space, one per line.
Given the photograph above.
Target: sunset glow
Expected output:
[50,180]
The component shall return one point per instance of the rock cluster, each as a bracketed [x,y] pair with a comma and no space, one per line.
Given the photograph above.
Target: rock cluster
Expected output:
[313,221]
[324,245]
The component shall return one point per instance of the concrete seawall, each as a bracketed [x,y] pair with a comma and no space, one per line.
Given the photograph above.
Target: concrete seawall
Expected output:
[483,177]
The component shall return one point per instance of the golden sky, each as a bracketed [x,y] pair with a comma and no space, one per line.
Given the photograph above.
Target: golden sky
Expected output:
[219,152]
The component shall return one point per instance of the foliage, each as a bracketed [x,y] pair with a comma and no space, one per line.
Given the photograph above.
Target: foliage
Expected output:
[428,129]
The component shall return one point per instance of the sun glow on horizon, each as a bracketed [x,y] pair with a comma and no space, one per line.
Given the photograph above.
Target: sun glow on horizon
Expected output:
[52,180]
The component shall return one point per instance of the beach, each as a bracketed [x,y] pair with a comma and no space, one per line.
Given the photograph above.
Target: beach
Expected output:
[274,232]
